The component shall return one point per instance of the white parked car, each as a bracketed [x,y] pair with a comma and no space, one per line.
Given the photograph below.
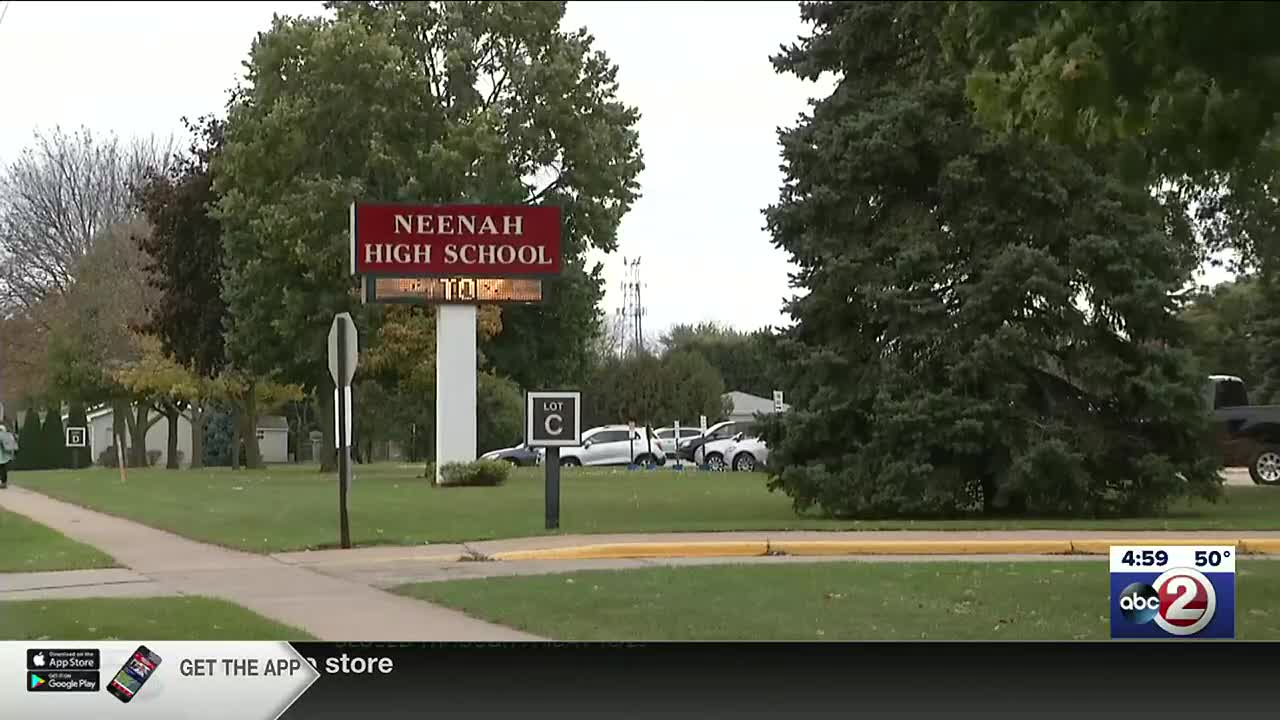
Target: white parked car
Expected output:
[709,449]
[669,440]
[747,454]
[613,445]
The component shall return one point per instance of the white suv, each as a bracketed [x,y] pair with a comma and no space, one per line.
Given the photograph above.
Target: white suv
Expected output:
[613,445]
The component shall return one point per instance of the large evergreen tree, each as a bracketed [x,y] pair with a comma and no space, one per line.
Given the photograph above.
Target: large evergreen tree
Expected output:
[988,320]
[30,437]
[54,441]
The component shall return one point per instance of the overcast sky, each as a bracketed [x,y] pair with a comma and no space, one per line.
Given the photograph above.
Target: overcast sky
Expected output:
[698,72]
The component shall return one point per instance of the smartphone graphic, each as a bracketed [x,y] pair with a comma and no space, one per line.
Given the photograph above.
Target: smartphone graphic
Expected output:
[133,675]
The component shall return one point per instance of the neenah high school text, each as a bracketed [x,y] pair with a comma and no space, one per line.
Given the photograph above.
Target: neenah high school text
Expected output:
[469,254]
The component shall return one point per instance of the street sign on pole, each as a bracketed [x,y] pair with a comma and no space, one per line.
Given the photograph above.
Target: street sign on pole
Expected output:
[553,421]
[76,437]
[702,423]
[342,434]
[343,354]
[777,401]
[343,349]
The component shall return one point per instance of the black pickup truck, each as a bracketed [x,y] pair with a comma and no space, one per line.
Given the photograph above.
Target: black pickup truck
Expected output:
[1247,435]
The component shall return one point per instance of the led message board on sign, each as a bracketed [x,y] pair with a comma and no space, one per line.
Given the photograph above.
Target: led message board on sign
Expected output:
[463,290]
[470,241]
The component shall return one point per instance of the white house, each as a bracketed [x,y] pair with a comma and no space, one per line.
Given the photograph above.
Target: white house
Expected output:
[745,406]
[273,437]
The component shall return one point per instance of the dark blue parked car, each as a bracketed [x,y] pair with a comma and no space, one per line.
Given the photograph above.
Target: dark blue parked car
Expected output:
[520,455]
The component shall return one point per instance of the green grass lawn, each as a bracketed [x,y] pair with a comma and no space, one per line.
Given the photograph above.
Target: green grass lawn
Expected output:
[160,618]
[27,546]
[293,507]
[827,601]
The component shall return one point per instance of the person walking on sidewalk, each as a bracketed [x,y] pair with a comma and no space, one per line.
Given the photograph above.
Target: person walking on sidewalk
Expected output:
[8,449]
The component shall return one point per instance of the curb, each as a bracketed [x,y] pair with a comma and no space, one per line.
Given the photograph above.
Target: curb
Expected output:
[758,548]
[618,551]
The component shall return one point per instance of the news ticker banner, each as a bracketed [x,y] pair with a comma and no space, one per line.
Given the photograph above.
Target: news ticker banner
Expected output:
[1173,592]
[391,681]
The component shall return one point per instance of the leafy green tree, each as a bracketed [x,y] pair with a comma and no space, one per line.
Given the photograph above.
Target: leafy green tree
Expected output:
[92,334]
[1222,328]
[652,390]
[424,102]
[1193,86]
[53,440]
[989,321]
[499,411]
[183,266]
[742,358]
[183,254]
[692,387]
[1264,340]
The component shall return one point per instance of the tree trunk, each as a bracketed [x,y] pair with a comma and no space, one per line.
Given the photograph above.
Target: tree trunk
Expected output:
[171,413]
[141,424]
[328,444]
[199,418]
[253,453]
[121,419]
[236,426]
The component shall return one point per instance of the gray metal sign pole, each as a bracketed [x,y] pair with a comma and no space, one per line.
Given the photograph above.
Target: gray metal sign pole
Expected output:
[553,488]
[344,449]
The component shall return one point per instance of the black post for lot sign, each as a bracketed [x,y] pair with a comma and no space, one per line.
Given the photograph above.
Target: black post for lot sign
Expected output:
[553,420]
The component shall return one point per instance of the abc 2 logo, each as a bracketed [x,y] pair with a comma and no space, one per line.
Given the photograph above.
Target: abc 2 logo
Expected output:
[1173,592]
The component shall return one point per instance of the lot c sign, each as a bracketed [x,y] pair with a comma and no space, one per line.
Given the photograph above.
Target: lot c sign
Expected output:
[554,419]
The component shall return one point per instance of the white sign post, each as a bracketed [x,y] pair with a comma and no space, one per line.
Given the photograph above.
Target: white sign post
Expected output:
[343,355]
[455,385]
[676,440]
[777,401]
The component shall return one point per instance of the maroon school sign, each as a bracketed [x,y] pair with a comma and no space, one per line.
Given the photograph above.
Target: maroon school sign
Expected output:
[488,241]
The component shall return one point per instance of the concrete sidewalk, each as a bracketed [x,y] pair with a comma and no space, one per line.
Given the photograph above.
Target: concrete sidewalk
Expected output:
[331,608]
[70,584]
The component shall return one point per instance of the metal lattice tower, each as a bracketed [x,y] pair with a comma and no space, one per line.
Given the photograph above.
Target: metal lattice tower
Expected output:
[629,324]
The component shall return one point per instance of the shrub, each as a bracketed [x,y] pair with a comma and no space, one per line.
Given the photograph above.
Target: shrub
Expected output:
[107,458]
[499,412]
[481,473]
[153,457]
[218,432]
[29,436]
[53,441]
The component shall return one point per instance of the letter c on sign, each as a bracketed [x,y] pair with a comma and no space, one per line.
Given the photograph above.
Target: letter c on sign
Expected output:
[559,424]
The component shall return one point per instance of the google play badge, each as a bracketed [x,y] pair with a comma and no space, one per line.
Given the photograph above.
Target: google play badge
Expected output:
[36,681]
